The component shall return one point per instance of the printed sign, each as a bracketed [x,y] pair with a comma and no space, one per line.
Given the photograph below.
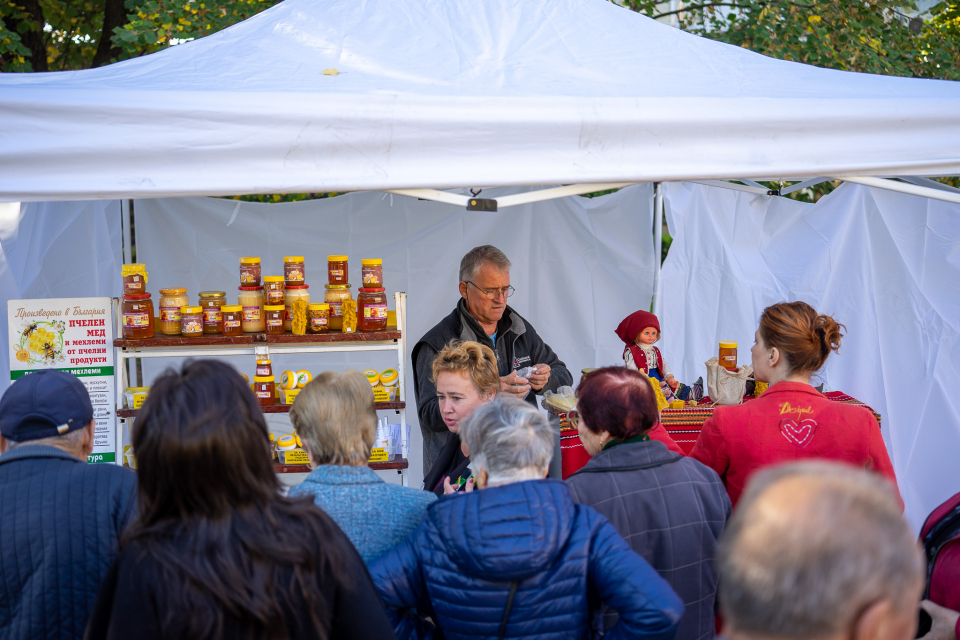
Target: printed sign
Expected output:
[379,455]
[74,335]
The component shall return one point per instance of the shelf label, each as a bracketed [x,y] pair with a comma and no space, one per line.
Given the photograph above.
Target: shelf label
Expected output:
[381,395]
[296,456]
[74,335]
[379,455]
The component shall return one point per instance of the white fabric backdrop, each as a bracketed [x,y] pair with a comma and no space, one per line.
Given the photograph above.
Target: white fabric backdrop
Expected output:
[456,93]
[57,250]
[883,264]
[579,265]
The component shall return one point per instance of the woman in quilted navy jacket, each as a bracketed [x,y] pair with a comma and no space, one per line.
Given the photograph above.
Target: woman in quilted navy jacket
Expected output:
[517,558]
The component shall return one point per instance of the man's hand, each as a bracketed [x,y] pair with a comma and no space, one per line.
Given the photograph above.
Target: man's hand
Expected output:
[515,386]
[540,377]
[944,622]
[672,383]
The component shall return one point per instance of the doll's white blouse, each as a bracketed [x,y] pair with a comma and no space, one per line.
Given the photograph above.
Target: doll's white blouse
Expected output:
[651,360]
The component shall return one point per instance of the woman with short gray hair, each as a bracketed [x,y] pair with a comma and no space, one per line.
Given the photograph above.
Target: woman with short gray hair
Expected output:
[519,546]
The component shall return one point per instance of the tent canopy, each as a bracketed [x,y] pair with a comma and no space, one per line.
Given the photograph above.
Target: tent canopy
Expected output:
[447,93]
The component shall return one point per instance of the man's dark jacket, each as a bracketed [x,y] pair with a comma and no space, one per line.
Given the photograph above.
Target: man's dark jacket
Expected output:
[671,510]
[60,521]
[518,346]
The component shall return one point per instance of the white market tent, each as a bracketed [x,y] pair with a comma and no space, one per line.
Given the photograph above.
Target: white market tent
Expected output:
[451,94]
[445,94]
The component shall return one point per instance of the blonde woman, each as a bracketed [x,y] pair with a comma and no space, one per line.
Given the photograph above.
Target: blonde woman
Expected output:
[465,374]
[336,419]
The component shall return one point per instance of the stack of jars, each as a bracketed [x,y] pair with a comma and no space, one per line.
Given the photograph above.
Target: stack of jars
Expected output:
[337,290]
[372,301]
[250,297]
[136,305]
[295,288]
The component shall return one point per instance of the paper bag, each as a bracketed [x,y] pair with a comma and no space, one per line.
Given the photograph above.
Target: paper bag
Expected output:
[726,387]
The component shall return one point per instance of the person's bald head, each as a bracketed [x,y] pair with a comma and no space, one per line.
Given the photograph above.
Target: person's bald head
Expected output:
[819,550]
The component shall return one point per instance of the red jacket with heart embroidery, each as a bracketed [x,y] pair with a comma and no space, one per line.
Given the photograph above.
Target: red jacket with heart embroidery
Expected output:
[791,421]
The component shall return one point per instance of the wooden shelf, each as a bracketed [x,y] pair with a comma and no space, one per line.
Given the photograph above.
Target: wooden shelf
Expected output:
[213,340]
[396,463]
[277,408]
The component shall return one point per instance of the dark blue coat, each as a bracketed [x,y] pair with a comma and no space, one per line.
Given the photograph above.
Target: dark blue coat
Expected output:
[60,520]
[457,568]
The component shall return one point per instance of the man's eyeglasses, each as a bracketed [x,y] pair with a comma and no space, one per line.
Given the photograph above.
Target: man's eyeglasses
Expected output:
[494,294]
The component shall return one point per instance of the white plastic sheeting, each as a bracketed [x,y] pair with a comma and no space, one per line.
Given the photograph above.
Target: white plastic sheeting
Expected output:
[883,264]
[580,265]
[456,93]
[57,250]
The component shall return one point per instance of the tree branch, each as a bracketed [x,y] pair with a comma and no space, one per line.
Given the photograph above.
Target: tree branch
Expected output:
[697,7]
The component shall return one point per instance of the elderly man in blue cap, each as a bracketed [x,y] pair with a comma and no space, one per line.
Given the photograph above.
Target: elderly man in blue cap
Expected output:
[60,518]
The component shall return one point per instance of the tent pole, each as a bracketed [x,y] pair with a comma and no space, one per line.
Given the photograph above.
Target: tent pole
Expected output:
[125,225]
[657,238]
[905,187]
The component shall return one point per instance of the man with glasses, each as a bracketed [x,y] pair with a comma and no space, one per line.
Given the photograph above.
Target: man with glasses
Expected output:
[482,315]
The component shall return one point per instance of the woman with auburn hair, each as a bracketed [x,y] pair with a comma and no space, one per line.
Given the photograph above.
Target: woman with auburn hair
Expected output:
[791,420]
[466,377]
[217,551]
[670,509]
[337,420]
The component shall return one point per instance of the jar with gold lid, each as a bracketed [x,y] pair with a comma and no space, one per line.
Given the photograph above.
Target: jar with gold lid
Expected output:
[249,272]
[275,314]
[293,270]
[273,289]
[264,387]
[191,321]
[337,270]
[211,303]
[290,294]
[335,295]
[319,314]
[170,302]
[134,279]
[251,299]
[728,355]
[232,320]
[371,272]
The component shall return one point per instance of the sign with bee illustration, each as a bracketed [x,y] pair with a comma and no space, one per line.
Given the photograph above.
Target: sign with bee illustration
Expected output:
[73,335]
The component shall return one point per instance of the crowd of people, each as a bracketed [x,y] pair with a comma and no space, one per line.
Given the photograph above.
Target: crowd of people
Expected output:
[780,525]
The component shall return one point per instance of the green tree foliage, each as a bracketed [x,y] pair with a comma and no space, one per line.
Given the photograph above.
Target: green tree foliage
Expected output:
[871,36]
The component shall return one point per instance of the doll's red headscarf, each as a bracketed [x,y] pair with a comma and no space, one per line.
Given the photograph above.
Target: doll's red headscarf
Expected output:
[631,327]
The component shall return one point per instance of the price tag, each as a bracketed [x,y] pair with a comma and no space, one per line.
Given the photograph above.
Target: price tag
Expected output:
[379,455]
[381,395]
[296,456]
[287,396]
[138,399]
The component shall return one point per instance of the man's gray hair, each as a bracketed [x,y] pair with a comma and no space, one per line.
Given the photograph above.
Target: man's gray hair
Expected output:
[809,547]
[477,257]
[510,440]
[70,441]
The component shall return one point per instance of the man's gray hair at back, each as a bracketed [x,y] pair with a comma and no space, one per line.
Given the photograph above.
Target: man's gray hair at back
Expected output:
[810,546]
[477,257]
[510,440]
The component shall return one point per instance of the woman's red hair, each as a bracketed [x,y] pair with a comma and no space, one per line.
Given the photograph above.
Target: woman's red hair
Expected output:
[617,400]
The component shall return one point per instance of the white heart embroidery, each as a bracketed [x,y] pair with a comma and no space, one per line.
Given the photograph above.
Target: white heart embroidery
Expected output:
[800,434]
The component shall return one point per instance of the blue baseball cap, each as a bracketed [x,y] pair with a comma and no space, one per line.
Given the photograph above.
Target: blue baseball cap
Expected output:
[44,404]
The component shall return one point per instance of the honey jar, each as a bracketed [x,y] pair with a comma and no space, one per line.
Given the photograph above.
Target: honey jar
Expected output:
[170,302]
[249,272]
[251,299]
[273,289]
[264,387]
[211,302]
[134,279]
[334,296]
[371,273]
[371,309]
[293,270]
[337,270]
[291,293]
[319,316]
[728,355]
[191,321]
[232,318]
[137,313]
[275,314]
[264,367]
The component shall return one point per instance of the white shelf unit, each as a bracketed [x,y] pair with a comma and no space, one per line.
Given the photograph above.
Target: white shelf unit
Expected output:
[312,344]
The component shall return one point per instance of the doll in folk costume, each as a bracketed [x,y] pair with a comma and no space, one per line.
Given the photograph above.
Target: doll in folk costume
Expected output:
[639,331]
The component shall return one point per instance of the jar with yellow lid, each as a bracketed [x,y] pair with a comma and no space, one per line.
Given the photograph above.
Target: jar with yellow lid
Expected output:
[371,273]
[249,272]
[137,311]
[212,303]
[290,294]
[337,270]
[264,387]
[728,355]
[373,377]
[273,289]
[134,279]
[293,270]
[390,381]
[275,314]
[170,302]
[251,299]
[334,296]
[191,321]
[319,313]
[232,320]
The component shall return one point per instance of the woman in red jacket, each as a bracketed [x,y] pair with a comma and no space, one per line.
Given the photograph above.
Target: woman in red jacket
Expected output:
[791,420]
